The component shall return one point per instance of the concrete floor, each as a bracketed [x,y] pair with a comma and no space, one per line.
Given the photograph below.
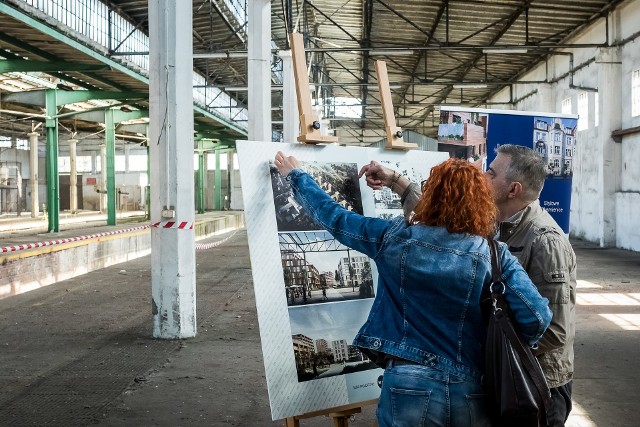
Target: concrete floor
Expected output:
[80,353]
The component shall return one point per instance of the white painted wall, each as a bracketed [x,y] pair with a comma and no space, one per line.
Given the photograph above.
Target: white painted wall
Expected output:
[606,182]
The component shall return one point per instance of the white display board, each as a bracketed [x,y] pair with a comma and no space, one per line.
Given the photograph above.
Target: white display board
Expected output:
[312,293]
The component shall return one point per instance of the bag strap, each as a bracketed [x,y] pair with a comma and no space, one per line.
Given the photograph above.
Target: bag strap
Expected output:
[528,360]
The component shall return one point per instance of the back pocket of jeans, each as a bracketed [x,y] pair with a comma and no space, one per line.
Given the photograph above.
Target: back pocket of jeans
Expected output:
[409,407]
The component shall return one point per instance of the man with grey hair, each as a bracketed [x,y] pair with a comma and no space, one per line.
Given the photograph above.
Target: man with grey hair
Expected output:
[516,177]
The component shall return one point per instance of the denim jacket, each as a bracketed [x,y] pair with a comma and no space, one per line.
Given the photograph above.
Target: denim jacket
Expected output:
[546,254]
[427,304]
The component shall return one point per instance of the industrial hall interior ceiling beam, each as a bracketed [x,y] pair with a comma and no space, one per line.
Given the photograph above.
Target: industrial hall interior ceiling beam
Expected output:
[437,52]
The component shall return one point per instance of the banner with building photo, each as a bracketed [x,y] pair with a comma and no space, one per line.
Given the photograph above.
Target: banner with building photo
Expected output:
[474,133]
[313,293]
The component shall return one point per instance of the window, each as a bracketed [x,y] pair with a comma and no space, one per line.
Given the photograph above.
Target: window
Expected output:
[566,106]
[583,111]
[556,150]
[120,163]
[635,93]
[64,164]
[83,164]
[137,163]
[5,141]
[211,161]
[22,144]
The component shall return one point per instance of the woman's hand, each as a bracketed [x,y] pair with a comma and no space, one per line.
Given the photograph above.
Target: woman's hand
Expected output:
[285,164]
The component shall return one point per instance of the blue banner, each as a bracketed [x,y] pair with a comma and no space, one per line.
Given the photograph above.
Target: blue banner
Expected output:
[555,139]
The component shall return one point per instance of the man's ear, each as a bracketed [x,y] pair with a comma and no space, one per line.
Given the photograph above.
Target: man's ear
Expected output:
[515,190]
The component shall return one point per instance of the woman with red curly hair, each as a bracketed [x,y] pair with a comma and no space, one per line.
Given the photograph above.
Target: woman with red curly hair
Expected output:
[425,326]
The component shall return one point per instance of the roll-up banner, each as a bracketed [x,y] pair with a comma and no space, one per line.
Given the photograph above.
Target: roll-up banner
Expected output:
[475,133]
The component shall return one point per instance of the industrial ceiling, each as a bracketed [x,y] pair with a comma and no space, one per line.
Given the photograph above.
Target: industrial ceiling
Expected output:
[436,51]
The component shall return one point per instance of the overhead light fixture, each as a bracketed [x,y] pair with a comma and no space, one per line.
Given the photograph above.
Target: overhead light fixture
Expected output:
[393,86]
[506,50]
[390,52]
[470,86]
[219,55]
[236,88]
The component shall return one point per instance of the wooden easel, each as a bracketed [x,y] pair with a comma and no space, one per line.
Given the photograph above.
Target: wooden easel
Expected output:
[339,416]
[309,122]
[394,133]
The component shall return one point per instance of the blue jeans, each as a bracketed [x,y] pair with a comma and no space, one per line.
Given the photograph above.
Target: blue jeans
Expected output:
[417,395]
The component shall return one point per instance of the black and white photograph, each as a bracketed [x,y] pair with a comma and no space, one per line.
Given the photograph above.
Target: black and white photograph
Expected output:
[322,335]
[388,202]
[338,180]
[388,214]
[319,269]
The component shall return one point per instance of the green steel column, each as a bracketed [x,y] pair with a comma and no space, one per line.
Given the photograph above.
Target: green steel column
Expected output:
[110,137]
[53,182]
[200,185]
[148,201]
[217,194]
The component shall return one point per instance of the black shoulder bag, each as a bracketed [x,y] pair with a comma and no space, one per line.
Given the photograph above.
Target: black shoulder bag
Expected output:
[516,390]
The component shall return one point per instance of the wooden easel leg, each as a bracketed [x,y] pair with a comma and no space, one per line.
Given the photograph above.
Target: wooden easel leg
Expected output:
[340,421]
[291,422]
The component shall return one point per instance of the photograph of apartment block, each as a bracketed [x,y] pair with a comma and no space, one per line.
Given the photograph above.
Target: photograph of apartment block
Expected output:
[555,140]
[338,180]
[318,269]
[353,271]
[463,135]
[321,358]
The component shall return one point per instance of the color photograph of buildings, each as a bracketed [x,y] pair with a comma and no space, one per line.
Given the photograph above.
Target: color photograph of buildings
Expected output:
[463,134]
[321,336]
[319,269]
[555,140]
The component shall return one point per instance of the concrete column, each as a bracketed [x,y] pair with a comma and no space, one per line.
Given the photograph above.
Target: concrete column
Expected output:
[103,178]
[73,176]
[33,170]
[610,89]
[172,194]
[259,69]
[127,153]
[290,114]
[217,191]
[230,173]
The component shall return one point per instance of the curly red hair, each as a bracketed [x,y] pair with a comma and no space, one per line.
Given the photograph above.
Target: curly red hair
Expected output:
[456,196]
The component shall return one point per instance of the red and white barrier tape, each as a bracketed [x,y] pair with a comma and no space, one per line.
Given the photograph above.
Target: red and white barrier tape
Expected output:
[204,246]
[67,240]
[179,225]
[184,225]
